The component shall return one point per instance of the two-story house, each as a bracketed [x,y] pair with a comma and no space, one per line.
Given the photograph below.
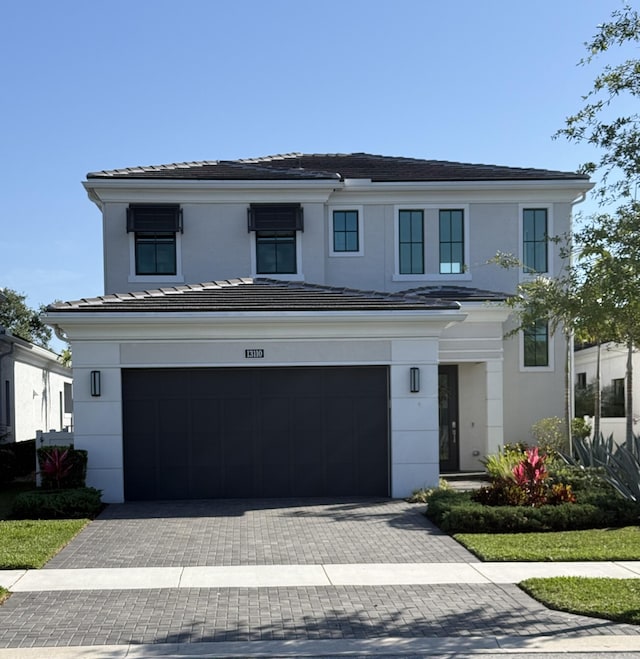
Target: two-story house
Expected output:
[311,325]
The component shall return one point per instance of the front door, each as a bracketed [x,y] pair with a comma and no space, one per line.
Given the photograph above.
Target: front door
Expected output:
[448,406]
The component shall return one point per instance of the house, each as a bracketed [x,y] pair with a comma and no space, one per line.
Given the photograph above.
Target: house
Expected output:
[613,367]
[311,325]
[35,390]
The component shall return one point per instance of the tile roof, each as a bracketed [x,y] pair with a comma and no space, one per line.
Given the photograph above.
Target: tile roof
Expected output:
[253,295]
[457,293]
[335,166]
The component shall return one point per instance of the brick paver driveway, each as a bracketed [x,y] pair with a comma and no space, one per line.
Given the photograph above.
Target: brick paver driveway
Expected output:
[273,533]
[267,532]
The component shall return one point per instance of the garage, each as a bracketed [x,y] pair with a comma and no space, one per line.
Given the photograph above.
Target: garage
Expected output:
[191,433]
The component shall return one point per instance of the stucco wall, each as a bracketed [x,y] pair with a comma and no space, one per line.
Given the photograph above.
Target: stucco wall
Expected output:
[36,386]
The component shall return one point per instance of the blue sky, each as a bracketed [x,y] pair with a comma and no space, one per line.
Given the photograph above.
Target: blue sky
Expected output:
[100,85]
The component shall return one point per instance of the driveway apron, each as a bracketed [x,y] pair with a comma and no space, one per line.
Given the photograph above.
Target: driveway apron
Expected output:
[284,533]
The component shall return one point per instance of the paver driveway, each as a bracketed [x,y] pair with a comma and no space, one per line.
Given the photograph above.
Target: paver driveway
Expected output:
[267,532]
[282,532]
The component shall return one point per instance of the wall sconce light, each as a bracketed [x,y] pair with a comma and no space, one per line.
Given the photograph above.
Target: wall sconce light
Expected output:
[95,383]
[414,379]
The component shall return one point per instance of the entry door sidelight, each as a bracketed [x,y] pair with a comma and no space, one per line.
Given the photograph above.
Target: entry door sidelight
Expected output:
[448,406]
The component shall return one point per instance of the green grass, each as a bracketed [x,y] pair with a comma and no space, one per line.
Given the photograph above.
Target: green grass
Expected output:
[4,594]
[591,545]
[31,543]
[611,599]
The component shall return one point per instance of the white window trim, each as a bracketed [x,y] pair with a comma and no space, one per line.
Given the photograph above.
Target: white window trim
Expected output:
[298,276]
[133,278]
[528,276]
[347,207]
[434,274]
[550,347]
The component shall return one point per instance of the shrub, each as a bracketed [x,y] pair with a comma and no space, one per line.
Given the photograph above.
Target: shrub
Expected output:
[501,464]
[422,495]
[7,464]
[501,492]
[550,434]
[62,467]
[455,512]
[57,504]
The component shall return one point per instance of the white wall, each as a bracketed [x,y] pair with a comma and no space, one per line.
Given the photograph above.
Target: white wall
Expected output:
[36,382]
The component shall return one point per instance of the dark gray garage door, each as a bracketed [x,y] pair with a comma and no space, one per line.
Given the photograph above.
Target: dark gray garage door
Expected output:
[255,432]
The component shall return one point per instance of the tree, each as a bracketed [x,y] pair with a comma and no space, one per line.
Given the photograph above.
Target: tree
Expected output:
[617,137]
[20,320]
[611,246]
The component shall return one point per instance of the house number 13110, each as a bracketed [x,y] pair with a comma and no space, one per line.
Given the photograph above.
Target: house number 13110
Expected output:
[254,353]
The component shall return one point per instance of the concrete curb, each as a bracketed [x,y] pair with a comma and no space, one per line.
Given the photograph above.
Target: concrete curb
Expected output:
[449,646]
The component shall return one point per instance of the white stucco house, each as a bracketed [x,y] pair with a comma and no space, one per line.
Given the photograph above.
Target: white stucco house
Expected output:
[311,325]
[35,390]
[613,368]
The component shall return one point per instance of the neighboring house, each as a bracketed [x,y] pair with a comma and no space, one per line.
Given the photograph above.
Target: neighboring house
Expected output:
[613,368]
[311,325]
[35,390]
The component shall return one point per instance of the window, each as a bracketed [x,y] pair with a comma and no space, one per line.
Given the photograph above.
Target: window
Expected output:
[411,242]
[275,227]
[345,231]
[451,241]
[7,403]
[581,380]
[275,252]
[154,227]
[534,239]
[613,399]
[536,344]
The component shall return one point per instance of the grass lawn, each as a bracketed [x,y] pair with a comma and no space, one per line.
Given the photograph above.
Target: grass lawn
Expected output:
[592,545]
[612,599]
[30,543]
[4,593]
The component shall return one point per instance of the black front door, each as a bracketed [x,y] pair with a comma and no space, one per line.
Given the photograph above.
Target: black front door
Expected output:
[448,405]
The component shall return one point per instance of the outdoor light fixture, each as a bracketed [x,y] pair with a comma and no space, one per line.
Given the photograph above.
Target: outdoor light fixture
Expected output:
[414,379]
[95,383]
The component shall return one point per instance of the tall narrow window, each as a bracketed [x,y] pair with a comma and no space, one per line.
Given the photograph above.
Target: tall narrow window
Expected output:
[155,227]
[411,242]
[7,403]
[345,231]
[451,242]
[534,239]
[536,344]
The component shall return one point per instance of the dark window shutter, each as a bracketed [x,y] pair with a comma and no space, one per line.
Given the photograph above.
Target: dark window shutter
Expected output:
[154,218]
[275,217]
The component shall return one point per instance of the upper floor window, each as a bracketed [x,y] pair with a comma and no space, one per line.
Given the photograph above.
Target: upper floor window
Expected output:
[276,252]
[411,242]
[155,227]
[536,344]
[535,233]
[451,241]
[346,236]
[276,227]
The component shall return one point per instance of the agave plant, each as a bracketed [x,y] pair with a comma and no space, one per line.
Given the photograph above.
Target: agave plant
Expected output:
[620,462]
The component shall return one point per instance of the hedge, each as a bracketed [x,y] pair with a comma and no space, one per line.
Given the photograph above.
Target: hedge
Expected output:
[74,503]
[455,512]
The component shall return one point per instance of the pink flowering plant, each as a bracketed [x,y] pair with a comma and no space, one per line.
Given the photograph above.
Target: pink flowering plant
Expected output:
[528,484]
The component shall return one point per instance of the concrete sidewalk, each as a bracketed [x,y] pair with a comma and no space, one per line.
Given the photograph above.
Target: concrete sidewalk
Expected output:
[278,576]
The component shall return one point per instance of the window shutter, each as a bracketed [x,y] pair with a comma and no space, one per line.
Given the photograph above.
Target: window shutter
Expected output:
[154,218]
[275,217]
